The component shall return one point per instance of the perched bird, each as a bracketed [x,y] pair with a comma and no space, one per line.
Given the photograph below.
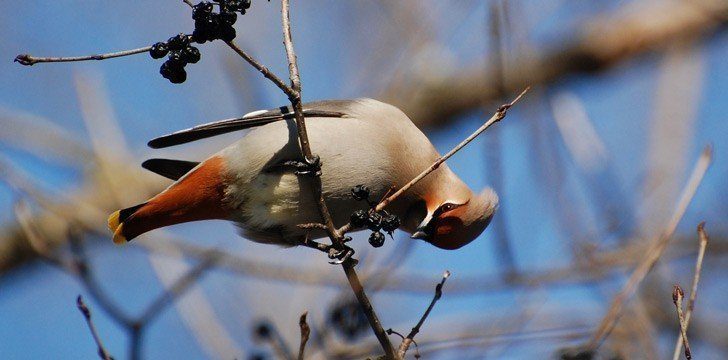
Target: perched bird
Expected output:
[257,181]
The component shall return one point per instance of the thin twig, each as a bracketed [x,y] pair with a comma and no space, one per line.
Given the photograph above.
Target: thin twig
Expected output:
[262,69]
[28,60]
[103,354]
[657,247]
[677,298]
[189,3]
[498,116]
[305,333]
[406,342]
[694,288]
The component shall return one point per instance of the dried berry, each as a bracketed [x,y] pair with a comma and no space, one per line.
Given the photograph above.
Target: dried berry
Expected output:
[359,218]
[374,221]
[390,223]
[376,239]
[360,192]
[178,42]
[159,50]
[190,55]
[201,10]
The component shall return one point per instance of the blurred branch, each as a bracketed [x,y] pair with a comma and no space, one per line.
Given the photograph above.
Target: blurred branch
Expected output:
[693,291]
[677,298]
[598,45]
[657,247]
[103,354]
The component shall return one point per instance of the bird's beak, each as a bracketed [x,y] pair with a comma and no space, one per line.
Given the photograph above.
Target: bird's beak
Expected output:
[422,231]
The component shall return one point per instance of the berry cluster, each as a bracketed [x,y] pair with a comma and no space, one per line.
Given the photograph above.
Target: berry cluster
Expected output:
[180,53]
[209,26]
[371,219]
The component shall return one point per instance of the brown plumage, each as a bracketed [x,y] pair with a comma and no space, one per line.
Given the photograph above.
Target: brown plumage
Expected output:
[359,141]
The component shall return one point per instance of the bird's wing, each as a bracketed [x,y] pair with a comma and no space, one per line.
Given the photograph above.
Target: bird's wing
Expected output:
[330,108]
[171,169]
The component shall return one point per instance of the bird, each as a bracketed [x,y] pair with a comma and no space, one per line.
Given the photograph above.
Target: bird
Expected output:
[262,183]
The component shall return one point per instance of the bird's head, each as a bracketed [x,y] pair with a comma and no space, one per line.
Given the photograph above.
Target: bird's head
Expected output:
[452,223]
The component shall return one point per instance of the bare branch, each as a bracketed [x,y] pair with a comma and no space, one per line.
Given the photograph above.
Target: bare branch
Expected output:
[411,336]
[656,249]
[262,69]
[677,298]
[103,354]
[28,60]
[694,288]
[305,333]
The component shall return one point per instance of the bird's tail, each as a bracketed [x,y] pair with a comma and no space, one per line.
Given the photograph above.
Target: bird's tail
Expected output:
[196,196]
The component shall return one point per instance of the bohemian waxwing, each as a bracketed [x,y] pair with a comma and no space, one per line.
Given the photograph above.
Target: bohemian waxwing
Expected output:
[251,182]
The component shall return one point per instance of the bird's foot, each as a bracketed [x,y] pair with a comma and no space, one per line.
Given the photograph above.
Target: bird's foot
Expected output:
[308,167]
[342,254]
[337,253]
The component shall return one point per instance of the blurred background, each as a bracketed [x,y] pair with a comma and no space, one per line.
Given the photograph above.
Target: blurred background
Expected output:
[589,168]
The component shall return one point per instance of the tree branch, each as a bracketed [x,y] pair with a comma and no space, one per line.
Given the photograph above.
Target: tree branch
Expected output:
[29,60]
[407,341]
[333,234]
[677,298]
[656,249]
[103,354]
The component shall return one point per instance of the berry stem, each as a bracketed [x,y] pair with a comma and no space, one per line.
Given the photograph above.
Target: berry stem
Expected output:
[28,60]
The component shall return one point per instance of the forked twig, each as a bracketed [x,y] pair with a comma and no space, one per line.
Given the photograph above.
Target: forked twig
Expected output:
[407,341]
[103,354]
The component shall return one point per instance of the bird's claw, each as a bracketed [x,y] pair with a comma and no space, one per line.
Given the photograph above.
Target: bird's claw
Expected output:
[308,167]
[341,255]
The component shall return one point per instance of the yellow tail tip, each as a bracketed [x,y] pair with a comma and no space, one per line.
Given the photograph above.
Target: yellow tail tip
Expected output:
[119,238]
[114,221]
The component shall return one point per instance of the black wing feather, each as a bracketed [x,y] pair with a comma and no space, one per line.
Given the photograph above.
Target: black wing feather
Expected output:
[234,124]
[171,169]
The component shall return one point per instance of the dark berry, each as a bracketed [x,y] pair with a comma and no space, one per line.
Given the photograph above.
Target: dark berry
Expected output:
[358,218]
[376,239]
[159,50]
[228,17]
[201,10]
[176,59]
[178,42]
[390,223]
[227,33]
[360,192]
[190,55]
[263,330]
[173,72]
[374,221]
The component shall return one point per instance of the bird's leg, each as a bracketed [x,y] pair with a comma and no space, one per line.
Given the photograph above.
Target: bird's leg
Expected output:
[308,167]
